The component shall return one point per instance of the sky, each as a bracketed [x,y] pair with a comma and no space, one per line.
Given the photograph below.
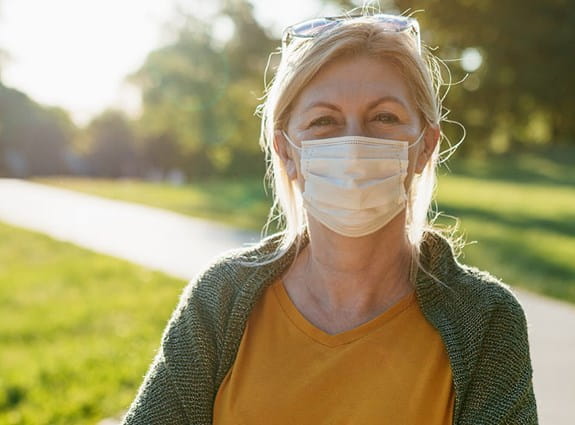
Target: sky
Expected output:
[76,53]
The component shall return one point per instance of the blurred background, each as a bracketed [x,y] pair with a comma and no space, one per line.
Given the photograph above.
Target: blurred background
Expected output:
[152,102]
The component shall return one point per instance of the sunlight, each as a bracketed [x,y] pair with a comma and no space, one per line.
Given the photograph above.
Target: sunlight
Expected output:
[76,54]
[471,59]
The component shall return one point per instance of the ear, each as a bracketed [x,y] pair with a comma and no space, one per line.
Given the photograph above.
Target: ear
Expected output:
[430,140]
[281,148]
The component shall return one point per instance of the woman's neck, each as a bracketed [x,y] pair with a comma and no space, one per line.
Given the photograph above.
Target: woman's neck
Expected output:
[355,275]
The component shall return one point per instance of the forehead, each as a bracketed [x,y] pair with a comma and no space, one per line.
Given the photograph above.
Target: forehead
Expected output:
[355,79]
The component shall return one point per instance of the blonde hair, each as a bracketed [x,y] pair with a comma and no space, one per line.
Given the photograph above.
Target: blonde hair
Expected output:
[300,62]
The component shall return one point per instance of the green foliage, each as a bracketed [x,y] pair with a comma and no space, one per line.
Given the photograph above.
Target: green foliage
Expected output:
[524,91]
[33,139]
[203,94]
[78,330]
[110,144]
[180,83]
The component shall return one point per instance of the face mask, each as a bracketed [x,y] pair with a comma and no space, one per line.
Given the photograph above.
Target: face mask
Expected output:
[354,185]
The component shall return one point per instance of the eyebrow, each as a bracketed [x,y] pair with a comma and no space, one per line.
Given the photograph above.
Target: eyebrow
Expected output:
[386,99]
[371,105]
[321,104]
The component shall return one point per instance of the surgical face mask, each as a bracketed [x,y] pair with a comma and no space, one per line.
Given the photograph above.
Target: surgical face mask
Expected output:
[354,185]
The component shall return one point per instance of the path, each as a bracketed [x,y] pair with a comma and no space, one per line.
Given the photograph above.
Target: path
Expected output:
[181,246]
[173,243]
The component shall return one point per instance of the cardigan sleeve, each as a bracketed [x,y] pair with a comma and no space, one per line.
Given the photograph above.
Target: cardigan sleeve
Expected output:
[156,401]
[501,388]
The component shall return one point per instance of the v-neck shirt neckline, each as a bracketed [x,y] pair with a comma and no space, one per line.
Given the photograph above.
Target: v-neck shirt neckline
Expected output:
[341,338]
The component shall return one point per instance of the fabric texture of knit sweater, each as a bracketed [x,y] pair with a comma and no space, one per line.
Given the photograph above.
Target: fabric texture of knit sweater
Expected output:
[481,322]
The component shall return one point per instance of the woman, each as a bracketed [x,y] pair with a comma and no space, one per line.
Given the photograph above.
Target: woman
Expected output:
[358,312]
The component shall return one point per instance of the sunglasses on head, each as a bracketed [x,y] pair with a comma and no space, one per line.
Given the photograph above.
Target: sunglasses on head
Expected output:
[313,27]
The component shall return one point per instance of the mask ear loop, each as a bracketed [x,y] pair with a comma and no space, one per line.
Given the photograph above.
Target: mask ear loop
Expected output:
[304,217]
[290,141]
[409,146]
[414,144]
[418,139]
[409,208]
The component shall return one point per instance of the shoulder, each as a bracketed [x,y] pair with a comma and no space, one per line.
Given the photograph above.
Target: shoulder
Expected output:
[472,294]
[208,299]
[233,271]
[494,309]
[220,281]
[488,289]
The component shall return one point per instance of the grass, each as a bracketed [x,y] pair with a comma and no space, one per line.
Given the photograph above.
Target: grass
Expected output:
[518,210]
[524,235]
[78,330]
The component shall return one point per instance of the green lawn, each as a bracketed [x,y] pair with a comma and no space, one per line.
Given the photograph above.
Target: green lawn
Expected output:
[520,211]
[78,330]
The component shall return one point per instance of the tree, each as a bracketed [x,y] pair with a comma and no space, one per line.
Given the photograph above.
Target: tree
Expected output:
[34,140]
[110,149]
[524,90]
[161,152]
[204,93]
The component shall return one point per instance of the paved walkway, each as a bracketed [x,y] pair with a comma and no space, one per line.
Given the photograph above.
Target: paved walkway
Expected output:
[181,246]
[173,243]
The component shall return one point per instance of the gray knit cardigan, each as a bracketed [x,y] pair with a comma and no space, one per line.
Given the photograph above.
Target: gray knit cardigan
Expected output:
[481,323]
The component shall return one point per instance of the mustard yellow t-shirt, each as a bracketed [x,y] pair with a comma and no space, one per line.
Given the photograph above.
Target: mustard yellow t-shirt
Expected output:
[393,369]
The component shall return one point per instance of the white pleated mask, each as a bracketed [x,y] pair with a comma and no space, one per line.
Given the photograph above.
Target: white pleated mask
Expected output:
[354,185]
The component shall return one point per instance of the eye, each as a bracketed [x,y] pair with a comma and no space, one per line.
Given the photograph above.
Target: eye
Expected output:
[322,121]
[386,118]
